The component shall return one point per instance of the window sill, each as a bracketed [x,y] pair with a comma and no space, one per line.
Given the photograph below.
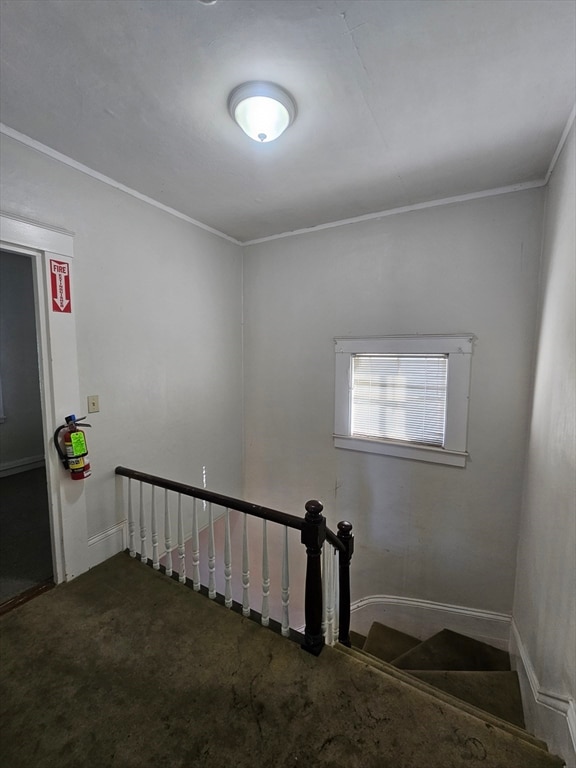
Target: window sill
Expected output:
[402,450]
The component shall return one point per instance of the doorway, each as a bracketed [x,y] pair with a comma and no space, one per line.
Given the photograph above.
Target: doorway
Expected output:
[47,246]
[26,564]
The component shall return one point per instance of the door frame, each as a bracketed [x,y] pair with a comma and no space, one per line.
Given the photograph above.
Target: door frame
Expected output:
[59,385]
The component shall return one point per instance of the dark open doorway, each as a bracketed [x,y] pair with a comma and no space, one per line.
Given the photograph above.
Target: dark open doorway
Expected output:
[25,539]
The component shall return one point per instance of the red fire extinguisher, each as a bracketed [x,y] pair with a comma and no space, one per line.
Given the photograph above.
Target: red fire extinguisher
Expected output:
[75,453]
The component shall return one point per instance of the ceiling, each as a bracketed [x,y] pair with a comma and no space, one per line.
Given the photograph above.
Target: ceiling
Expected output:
[399,102]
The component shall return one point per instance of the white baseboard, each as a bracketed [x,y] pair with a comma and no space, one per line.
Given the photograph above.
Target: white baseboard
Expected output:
[107,544]
[423,618]
[21,465]
[549,715]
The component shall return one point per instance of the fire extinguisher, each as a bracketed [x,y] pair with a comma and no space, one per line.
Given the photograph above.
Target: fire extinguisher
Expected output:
[75,453]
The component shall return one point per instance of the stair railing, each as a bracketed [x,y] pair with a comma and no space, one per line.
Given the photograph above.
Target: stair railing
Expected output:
[327,584]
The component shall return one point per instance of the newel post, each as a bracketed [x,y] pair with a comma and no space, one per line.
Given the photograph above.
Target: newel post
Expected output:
[313,537]
[347,539]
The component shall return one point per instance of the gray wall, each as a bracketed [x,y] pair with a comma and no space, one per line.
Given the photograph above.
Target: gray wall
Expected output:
[424,531]
[157,304]
[545,599]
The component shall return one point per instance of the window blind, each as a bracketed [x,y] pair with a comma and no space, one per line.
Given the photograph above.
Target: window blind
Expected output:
[399,397]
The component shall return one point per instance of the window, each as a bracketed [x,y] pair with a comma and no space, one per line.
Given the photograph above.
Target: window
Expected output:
[404,396]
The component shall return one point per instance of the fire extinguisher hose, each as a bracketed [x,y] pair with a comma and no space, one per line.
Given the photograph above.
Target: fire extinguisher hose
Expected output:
[63,457]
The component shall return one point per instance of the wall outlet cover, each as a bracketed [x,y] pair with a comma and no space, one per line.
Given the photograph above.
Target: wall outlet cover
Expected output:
[93,404]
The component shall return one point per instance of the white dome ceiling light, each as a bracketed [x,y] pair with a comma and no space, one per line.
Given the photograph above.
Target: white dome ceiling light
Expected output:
[262,110]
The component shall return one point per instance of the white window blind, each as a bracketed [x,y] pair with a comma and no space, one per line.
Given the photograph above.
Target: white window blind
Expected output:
[399,397]
[404,396]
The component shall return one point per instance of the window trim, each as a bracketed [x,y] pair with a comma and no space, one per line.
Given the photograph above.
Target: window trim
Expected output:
[459,349]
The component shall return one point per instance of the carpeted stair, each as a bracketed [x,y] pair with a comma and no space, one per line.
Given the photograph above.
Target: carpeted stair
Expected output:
[458,666]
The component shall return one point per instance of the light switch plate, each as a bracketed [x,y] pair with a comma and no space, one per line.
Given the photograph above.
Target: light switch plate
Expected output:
[93,403]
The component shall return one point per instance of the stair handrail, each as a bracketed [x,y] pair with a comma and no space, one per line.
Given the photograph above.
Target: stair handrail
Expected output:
[314,532]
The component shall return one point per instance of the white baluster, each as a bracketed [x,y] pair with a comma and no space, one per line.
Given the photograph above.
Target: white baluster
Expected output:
[336,570]
[154,528]
[324,591]
[245,570]
[195,549]
[227,563]
[167,534]
[131,522]
[181,543]
[285,587]
[328,594]
[265,577]
[211,555]
[143,549]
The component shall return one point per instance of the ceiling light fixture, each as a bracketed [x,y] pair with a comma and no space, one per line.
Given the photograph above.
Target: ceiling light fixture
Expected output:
[262,110]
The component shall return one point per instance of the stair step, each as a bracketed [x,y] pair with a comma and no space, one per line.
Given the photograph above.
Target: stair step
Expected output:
[406,677]
[357,639]
[494,692]
[387,643]
[449,650]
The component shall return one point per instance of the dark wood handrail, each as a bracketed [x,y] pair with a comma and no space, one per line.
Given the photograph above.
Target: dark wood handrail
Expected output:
[313,534]
[264,513]
[334,540]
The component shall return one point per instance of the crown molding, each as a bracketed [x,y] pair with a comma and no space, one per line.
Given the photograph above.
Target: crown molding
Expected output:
[52,153]
[405,209]
[561,143]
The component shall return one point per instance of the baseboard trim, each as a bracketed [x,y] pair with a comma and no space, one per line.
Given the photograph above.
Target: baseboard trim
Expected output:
[429,605]
[563,707]
[422,618]
[21,465]
[106,544]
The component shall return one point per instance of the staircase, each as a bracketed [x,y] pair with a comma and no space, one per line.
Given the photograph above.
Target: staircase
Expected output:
[391,700]
[457,670]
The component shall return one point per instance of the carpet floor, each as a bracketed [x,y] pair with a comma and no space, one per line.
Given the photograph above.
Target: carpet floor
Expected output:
[124,667]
